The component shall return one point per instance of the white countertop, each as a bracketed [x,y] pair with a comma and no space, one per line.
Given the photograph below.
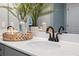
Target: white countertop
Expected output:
[45,49]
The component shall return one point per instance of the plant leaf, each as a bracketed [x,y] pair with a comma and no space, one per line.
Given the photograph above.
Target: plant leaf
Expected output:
[12,13]
[7,7]
[46,12]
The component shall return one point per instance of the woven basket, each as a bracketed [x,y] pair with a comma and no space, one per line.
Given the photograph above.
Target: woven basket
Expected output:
[17,36]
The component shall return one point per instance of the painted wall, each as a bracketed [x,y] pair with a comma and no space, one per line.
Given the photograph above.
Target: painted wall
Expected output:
[7,18]
[73,18]
[3,16]
[65,17]
[55,19]
[13,21]
[46,18]
[58,17]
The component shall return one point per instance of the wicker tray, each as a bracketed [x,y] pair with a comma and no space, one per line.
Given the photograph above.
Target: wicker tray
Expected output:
[17,36]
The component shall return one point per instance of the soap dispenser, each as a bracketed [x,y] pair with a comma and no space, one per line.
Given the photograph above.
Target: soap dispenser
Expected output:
[30,23]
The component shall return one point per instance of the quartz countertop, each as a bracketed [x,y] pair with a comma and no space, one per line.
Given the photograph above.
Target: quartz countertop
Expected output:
[35,47]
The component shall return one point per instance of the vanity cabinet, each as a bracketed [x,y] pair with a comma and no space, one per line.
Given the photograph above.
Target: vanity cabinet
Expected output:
[2,50]
[12,52]
[8,51]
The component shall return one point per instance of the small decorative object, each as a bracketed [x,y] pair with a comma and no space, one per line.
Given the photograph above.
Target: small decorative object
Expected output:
[22,26]
[40,28]
[35,30]
[13,35]
[11,30]
[30,23]
[44,26]
[17,36]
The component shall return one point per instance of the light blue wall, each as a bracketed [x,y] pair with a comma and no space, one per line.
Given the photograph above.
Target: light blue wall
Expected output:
[58,15]
[57,18]
[65,15]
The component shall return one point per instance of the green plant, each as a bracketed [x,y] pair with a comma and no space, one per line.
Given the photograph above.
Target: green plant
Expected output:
[20,10]
[40,11]
[24,10]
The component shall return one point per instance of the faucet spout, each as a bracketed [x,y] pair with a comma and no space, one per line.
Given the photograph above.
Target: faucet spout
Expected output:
[59,30]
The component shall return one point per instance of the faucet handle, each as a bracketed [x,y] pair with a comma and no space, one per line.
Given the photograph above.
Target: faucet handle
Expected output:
[50,29]
[61,27]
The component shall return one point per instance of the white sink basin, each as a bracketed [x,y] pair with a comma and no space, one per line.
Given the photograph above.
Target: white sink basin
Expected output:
[69,37]
[43,45]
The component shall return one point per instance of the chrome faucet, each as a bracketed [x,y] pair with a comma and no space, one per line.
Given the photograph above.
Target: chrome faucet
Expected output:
[50,30]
